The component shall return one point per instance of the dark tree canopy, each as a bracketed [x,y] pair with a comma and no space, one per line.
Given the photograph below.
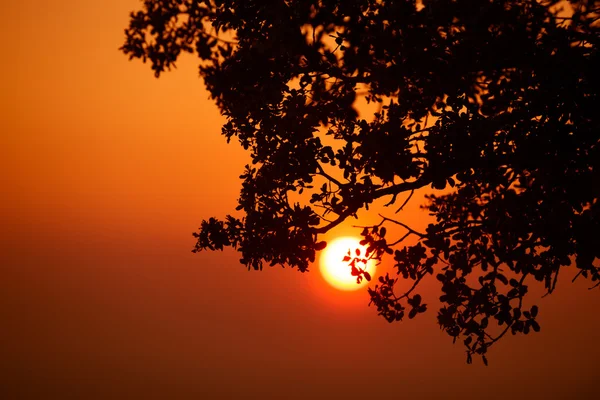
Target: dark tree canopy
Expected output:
[496,101]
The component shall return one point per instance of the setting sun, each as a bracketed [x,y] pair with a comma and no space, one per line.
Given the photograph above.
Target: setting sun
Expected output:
[338,272]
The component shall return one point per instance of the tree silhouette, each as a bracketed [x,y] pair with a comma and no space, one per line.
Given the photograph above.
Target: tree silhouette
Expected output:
[495,99]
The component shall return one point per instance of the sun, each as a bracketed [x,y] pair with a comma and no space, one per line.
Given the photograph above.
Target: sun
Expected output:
[338,272]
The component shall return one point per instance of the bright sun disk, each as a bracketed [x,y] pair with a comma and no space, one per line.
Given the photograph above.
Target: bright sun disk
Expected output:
[338,272]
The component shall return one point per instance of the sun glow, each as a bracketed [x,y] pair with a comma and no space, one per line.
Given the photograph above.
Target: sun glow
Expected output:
[338,272]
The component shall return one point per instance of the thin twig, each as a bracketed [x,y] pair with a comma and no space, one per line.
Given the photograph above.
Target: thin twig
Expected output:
[402,225]
[326,175]
[405,201]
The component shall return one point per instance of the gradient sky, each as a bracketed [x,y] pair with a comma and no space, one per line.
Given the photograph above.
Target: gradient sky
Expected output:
[105,172]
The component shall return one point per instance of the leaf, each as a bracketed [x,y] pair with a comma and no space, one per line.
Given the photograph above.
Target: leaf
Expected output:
[534,311]
[502,278]
[484,323]
[320,246]
[412,313]
[416,300]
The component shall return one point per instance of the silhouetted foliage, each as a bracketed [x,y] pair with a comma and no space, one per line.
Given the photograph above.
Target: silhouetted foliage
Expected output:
[496,101]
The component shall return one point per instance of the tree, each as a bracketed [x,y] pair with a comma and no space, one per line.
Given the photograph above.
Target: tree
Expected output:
[496,101]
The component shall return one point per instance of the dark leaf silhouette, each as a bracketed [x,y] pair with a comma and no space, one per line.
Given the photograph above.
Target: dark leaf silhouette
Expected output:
[320,245]
[494,101]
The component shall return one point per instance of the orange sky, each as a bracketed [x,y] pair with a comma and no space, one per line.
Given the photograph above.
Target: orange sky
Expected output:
[105,173]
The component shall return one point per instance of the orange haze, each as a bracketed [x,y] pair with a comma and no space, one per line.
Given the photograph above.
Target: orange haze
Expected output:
[105,172]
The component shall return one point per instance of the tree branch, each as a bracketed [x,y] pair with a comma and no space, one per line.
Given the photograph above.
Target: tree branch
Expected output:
[403,225]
